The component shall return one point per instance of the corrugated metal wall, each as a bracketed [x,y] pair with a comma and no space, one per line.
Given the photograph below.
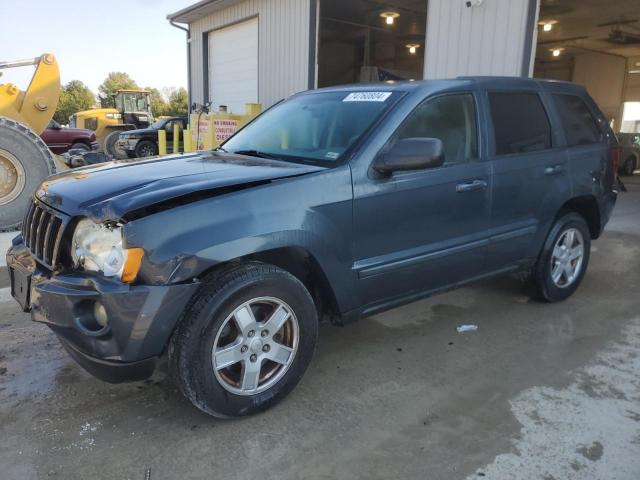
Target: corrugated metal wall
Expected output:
[283,44]
[489,39]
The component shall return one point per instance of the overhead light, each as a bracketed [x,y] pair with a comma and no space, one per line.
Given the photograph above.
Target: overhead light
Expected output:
[547,25]
[556,52]
[413,47]
[389,17]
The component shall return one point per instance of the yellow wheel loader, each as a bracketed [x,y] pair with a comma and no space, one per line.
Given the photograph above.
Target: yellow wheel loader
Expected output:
[25,160]
[132,111]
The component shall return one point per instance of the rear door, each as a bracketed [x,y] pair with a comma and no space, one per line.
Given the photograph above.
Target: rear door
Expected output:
[589,150]
[531,181]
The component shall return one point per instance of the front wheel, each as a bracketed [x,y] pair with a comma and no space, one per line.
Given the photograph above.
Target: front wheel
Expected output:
[146,148]
[245,341]
[564,258]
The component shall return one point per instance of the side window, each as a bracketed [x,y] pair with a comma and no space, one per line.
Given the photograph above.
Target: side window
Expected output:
[520,123]
[580,127]
[450,118]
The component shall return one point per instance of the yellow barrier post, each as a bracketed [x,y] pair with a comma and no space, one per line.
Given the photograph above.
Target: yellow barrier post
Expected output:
[187,140]
[162,142]
[176,137]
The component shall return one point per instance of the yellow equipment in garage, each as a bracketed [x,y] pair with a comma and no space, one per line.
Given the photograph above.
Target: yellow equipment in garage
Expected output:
[132,111]
[25,160]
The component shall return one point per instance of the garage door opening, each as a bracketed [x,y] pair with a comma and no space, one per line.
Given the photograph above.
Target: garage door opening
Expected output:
[593,43]
[364,41]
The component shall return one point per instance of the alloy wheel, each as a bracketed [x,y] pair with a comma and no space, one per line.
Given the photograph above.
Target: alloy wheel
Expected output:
[255,346]
[567,258]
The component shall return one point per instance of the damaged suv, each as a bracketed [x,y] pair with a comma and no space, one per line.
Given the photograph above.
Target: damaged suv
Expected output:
[336,203]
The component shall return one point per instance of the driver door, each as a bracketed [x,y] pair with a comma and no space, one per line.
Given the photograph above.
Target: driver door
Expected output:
[423,230]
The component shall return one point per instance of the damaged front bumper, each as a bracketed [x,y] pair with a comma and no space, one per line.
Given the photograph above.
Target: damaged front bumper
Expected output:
[114,330]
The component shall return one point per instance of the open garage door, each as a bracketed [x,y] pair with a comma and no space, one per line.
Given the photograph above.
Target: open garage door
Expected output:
[233,65]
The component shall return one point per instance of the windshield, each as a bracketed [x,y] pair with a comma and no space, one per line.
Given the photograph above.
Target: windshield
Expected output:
[159,124]
[134,102]
[318,127]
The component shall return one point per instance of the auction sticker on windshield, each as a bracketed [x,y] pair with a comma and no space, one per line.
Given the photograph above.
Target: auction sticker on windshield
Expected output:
[367,97]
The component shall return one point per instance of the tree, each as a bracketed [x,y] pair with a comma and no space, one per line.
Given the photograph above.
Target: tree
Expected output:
[75,96]
[178,102]
[158,104]
[115,81]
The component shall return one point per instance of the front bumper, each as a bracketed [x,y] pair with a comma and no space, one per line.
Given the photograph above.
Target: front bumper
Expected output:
[129,145]
[141,318]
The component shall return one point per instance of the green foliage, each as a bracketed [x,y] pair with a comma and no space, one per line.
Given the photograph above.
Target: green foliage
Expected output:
[158,103]
[74,97]
[115,81]
[171,102]
[179,102]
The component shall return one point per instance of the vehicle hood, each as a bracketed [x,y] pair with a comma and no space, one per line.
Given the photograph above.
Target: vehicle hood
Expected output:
[110,191]
[141,132]
[70,132]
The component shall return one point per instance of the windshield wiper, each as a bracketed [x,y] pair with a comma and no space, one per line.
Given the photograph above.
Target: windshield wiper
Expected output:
[256,153]
[220,149]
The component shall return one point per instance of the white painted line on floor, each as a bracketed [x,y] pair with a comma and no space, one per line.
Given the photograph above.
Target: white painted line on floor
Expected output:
[5,295]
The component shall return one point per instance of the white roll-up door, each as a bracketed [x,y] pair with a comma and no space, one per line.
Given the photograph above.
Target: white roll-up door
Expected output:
[233,65]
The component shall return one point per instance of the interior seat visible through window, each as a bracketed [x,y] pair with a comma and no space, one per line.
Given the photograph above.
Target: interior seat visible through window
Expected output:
[450,118]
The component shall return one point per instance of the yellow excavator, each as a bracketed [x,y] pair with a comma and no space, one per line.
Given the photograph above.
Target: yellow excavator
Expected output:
[25,160]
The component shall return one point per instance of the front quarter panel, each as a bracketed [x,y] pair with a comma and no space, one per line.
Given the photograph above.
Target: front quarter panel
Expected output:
[312,212]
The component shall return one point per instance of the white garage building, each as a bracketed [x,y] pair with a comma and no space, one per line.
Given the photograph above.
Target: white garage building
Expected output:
[264,50]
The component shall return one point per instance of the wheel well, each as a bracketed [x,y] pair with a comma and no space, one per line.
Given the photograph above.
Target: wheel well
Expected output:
[587,207]
[302,265]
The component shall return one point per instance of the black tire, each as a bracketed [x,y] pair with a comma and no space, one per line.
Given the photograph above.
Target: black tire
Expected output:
[110,145]
[548,290]
[629,166]
[21,146]
[192,344]
[80,146]
[146,148]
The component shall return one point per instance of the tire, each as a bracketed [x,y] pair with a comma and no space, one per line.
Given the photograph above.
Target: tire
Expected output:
[209,321]
[629,166]
[80,146]
[550,262]
[146,148]
[110,146]
[25,161]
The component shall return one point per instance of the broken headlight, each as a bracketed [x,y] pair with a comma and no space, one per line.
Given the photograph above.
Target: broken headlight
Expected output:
[98,248]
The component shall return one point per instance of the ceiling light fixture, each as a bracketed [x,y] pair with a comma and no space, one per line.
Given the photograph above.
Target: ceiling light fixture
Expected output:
[389,17]
[556,52]
[413,47]
[547,25]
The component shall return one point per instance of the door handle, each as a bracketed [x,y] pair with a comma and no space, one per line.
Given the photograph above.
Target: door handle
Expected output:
[555,170]
[471,186]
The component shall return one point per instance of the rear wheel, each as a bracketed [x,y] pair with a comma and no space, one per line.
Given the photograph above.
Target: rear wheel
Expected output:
[564,258]
[110,146]
[629,166]
[246,340]
[146,148]
[80,146]
[24,162]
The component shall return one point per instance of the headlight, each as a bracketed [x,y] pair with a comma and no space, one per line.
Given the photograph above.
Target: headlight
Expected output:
[98,248]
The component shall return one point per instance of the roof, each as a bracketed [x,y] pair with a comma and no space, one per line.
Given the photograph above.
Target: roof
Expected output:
[199,10]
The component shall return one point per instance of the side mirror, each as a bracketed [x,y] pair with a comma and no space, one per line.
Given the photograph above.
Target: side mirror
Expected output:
[410,154]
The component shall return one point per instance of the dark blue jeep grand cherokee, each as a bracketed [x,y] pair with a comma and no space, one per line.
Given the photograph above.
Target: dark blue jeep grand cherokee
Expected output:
[336,203]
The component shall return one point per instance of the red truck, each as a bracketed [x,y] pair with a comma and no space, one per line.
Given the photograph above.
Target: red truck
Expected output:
[62,139]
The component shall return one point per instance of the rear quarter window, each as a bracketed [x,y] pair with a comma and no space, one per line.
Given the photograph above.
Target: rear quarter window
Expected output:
[520,122]
[579,125]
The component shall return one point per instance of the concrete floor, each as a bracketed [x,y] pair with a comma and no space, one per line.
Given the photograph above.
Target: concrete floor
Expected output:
[538,392]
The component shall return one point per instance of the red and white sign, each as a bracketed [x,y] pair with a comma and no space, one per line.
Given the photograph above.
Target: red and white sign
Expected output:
[224,129]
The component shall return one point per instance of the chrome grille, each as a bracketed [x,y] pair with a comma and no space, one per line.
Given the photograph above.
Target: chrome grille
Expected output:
[42,231]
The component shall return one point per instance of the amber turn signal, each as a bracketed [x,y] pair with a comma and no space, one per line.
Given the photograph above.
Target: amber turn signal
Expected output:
[132,264]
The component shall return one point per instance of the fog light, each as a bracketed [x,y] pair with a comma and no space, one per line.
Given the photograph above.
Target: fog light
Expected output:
[100,314]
